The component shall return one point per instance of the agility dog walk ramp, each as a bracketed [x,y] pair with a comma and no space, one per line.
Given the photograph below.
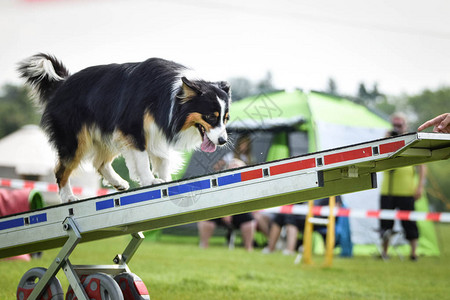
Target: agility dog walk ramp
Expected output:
[302,178]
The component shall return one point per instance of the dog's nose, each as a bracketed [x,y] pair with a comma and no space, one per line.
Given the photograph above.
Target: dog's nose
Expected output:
[222,141]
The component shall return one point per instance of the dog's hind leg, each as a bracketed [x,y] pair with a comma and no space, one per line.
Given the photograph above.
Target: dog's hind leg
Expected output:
[108,173]
[104,167]
[70,154]
[103,157]
[62,173]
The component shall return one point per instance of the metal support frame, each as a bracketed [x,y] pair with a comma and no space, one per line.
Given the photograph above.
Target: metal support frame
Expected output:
[74,281]
[74,272]
[130,250]
[62,261]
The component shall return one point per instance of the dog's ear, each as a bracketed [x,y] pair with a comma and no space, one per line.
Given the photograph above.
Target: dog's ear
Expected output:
[225,86]
[189,90]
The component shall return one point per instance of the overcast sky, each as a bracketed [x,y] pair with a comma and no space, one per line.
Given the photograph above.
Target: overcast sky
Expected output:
[404,45]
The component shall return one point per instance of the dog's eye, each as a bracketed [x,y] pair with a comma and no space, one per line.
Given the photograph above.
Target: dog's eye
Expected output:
[211,117]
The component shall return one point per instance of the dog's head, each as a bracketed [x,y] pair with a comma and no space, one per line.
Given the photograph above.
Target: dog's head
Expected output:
[206,107]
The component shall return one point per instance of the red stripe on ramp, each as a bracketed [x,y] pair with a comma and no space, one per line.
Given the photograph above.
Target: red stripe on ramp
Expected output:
[293,166]
[348,155]
[391,147]
[250,175]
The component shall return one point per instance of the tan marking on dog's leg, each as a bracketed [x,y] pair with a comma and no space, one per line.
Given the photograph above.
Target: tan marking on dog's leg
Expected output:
[65,168]
[103,158]
[137,161]
[62,174]
[148,121]
[110,175]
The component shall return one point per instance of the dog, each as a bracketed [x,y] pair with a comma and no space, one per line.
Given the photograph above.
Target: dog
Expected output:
[145,111]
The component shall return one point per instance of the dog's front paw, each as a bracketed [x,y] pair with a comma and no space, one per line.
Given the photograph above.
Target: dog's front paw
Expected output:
[120,185]
[157,181]
[123,186]
[66,195]
[70,198]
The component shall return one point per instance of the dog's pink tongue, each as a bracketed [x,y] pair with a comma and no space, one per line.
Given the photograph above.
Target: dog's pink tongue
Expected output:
[207,145]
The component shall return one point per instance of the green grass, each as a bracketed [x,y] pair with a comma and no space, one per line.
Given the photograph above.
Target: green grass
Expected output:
[180,270]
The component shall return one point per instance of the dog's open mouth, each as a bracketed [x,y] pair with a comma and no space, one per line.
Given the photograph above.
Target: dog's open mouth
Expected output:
[207,144]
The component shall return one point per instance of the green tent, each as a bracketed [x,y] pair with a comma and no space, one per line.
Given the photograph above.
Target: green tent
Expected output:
[284,124]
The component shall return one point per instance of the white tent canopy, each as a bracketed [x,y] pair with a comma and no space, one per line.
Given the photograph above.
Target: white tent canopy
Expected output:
[28,151]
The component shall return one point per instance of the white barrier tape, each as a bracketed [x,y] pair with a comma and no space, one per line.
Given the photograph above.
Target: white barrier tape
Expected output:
[384,214]
[50,187]
[318,221]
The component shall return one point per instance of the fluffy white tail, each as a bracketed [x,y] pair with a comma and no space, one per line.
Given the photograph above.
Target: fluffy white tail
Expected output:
[44,74]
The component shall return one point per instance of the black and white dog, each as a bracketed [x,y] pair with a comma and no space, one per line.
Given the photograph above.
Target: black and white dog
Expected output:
[145,111]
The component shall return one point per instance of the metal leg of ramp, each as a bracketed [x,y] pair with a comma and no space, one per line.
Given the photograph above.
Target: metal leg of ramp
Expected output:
[60,261]
[75,272]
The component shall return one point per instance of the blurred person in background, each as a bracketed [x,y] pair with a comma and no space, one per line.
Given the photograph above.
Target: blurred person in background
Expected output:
[400,189]
[239,157]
